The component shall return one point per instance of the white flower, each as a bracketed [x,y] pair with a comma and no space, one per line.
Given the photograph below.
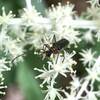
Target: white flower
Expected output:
[94,72]
[17,31]
[62,65]
[70,96]
[10,47]
[58,13]
[2,86]
[46,75]
[40,39]
[52,93]
[93,12]
[48,39]
[3,66]
[4,19]
[88,37]
[3,39]
[94,2]
[30,15]
[14,49]
[92,95]
[97,63]
[75,83]
[68,33]
[35,39]
[61,20]
[87,57]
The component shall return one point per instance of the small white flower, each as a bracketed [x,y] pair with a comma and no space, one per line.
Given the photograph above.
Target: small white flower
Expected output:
[62,65]
[92,94]
[4,19]
[61,23]
[30,15]
[52,93]
[2,86]
[97,63]
[88,37]
[48,39]
[3,66]
[35,40]
[70,96]
[40,39]
[94,72]
[88,57]
[3,39]
[14,49]
[93,12]
[75,83]
[58,13]
[94,2]
[68,33]
[46,75]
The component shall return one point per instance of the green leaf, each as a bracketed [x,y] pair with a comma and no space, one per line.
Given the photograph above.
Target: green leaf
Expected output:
[28,84]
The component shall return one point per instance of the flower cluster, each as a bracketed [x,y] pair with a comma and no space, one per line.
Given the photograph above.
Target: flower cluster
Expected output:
[63,64]
[78,87]
[65,59]
[2,86]
[58,65]
[93,12]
